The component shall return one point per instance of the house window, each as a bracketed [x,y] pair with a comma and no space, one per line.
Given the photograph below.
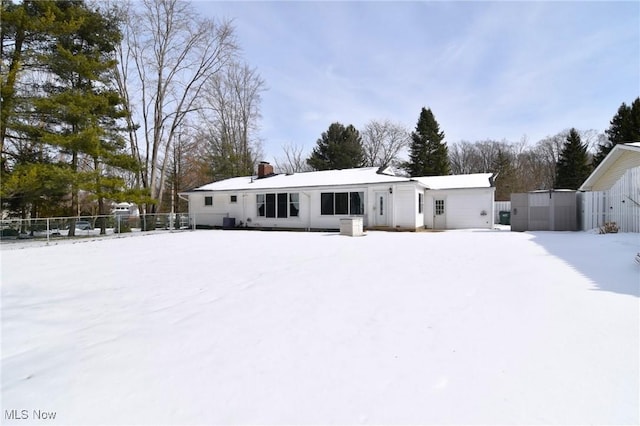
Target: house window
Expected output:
[294,204]
[439,207]
[420,203]
[280,205]
[208,200]
[326,203]
[234,198]
[260,204]
[356,203]
[341,203]
[271,205]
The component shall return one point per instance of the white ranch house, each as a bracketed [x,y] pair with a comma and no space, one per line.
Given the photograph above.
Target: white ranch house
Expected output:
[318,200]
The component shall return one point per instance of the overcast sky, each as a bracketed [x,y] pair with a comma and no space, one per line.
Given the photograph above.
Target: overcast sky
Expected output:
[487,70]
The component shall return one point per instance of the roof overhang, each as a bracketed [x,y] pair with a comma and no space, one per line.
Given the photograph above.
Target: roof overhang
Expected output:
[621,158]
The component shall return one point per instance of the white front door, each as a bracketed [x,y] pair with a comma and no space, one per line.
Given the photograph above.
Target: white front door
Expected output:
[439,216]
[380,209]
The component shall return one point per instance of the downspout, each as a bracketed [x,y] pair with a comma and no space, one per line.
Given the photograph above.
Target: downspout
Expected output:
[393,203]
[244,209]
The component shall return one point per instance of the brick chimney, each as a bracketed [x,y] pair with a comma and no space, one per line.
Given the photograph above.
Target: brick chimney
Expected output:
[264,169]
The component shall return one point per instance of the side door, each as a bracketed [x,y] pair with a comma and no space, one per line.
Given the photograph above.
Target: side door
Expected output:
[439,213]
[380,208]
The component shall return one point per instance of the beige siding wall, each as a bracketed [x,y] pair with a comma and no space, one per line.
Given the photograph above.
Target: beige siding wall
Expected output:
[628,160]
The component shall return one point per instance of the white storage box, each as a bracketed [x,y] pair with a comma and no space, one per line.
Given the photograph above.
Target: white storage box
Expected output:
[351,226]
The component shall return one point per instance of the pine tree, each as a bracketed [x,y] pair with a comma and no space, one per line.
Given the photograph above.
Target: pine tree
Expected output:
[71,116]
[428,154]
[81,108]
[339,147]
[573,163]
[505,181]
[624,127]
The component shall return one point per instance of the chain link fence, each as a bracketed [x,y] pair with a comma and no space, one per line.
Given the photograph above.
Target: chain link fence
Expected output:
[58,228]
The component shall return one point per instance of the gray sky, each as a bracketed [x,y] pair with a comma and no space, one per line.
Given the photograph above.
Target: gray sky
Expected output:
[487,70]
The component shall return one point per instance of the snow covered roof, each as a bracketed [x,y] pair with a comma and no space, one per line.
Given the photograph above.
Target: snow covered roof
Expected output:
[621,158]
[359,176]
[365,175]
[475,180]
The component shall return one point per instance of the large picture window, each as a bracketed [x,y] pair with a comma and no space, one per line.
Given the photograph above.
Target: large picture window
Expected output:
[281,205]
[342,203]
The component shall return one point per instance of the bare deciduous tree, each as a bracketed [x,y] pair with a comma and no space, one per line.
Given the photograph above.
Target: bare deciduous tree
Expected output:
[230,120]
[382,142]
[294,160]
[463,158]
[168,55]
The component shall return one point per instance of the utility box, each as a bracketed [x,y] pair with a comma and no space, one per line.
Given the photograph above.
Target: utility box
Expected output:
[228,222]
[351,226]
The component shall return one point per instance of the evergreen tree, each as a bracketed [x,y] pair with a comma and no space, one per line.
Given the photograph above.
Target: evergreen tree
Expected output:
[69,115]
[573,163]
[339,147]
[624,127]
[81,106]
[428,155]
[505,181]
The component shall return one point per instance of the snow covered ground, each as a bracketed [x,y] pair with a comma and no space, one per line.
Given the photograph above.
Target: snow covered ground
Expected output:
[237,327]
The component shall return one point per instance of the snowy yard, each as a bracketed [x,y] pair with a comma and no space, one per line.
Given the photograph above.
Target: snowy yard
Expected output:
[237,327]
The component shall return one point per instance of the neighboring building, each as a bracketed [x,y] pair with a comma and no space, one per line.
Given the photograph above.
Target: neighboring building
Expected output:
[318,200]
[610,194]
[554,210]
[125,209]
[613,191]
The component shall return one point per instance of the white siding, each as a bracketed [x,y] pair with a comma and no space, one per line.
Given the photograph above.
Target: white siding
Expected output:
[208,215]
[619,204]
[464,208]
[401,207]
[406,203]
